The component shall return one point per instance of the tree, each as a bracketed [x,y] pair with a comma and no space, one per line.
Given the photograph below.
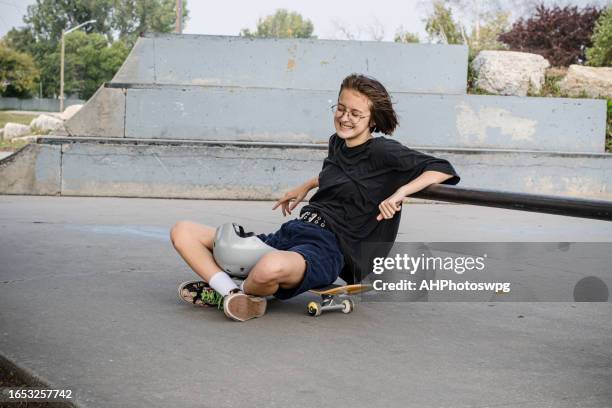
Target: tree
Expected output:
[129,18]
[122,19]
[282,24]
[47,18]
[440,25]
[560,35]
[18,74]
[406,37]
[600,54]
[484,36]
[478,13]
[89,61]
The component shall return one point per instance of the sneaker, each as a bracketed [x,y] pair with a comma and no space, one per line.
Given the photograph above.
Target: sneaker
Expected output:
[239,306]
[200,294]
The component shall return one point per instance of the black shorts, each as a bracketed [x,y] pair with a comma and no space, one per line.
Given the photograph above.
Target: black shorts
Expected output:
[318,246]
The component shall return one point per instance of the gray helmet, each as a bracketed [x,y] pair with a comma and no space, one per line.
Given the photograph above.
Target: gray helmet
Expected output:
[237,251]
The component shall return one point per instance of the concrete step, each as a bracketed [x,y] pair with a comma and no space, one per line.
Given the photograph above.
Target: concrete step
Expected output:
[293,63]
[145,111]
[263,171]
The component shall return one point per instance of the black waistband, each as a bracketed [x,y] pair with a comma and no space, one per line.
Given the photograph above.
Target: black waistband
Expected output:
[314,218]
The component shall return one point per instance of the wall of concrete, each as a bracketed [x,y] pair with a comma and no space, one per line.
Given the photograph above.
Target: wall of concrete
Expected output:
[264,171]
[35,169]
[290,115]
[293,63]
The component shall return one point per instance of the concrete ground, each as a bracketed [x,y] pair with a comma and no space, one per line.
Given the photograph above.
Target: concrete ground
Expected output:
[88,303]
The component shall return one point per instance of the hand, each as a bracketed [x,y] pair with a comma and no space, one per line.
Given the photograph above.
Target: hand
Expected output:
[390,206]
[290,199]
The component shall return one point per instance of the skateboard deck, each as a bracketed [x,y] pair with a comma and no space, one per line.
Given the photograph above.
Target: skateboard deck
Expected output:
[335,297]
[341,289]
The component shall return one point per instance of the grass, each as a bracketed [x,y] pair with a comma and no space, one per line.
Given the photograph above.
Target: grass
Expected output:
[5,117]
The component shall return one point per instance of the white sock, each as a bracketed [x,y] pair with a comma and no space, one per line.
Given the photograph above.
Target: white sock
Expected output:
[222,283]
[242,286]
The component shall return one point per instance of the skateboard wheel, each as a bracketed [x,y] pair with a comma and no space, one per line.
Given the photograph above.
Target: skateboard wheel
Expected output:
[349,305]
[314,309]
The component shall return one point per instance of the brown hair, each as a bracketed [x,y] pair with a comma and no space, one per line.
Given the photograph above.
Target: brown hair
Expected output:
[381,107]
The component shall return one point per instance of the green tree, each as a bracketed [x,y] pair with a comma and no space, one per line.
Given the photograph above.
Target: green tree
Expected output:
[18,75]
[406,37]
[122,19]
[89,62]
[282,24]
[442,27]
[47,18]
[129,18]
[600,53]
[484,37]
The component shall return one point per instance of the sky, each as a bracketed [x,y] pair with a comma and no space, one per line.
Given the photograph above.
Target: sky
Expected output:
[228,17]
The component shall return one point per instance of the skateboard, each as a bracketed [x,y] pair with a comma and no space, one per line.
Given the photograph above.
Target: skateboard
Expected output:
[335,297]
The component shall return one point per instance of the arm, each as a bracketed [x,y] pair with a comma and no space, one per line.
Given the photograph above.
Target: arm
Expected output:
[423,181]
[391,205]
[312,183]
[293,197]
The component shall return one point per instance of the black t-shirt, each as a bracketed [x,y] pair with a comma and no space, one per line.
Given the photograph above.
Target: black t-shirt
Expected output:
[352,184]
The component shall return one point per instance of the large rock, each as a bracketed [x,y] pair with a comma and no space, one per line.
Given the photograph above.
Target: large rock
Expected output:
[509,72]
[70,111]
[45,123]
[594,82]
[13,130]
[29,138]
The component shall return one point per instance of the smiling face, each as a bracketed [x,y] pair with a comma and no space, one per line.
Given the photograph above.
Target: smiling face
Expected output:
[354,130]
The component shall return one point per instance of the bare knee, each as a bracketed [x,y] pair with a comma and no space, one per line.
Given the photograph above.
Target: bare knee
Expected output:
[282,267]
[181,233]
[269,269]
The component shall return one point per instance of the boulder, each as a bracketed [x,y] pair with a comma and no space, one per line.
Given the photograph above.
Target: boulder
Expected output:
[13,130]
[45,123]
[592,81]
[509,72]
[29,138]
[70,111]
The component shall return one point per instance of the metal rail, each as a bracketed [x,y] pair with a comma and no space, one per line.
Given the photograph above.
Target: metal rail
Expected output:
[569,206]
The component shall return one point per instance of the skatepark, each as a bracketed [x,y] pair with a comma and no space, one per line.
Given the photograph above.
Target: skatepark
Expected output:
[88,284]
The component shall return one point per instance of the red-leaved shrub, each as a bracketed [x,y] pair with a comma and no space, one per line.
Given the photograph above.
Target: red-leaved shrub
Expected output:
[560,35]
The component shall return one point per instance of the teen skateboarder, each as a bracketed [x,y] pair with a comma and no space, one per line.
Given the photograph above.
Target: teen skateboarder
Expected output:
[361,187]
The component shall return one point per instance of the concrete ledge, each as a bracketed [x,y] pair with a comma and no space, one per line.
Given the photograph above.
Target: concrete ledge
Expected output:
[34,169]
[293,63]
[303,116]
[259,171]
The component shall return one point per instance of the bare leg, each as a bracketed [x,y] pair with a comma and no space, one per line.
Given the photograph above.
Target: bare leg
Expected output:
[284,269]
[194,243]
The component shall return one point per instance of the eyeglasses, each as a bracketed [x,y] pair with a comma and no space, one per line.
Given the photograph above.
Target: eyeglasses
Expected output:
[353,117]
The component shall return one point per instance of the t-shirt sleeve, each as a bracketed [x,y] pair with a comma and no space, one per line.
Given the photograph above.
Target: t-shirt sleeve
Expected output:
[404,159]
